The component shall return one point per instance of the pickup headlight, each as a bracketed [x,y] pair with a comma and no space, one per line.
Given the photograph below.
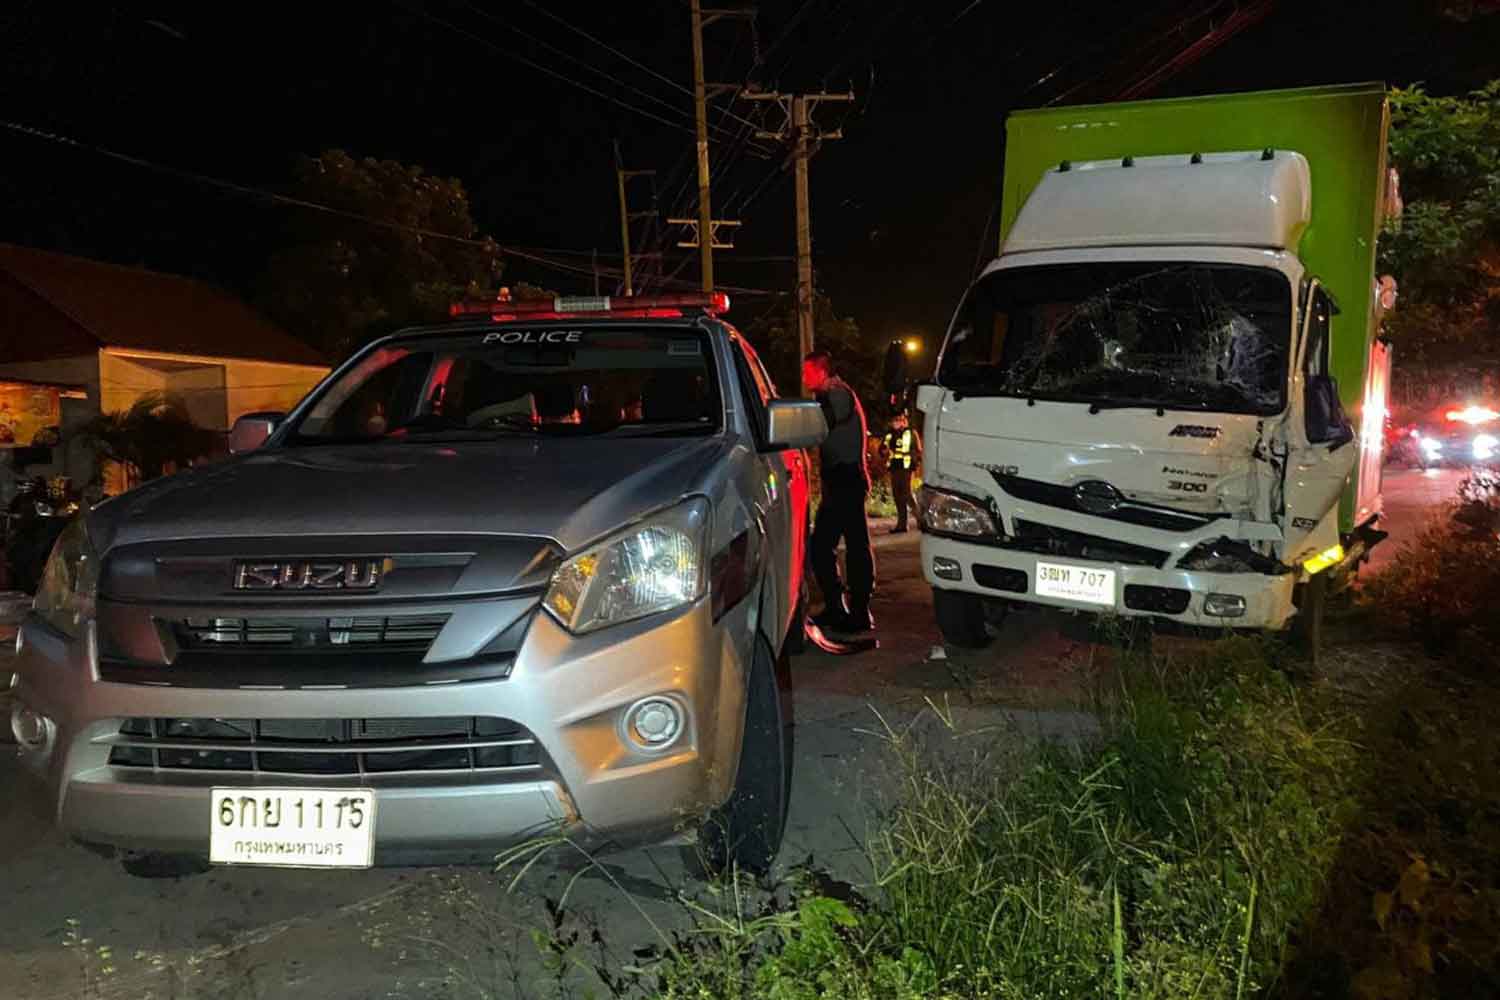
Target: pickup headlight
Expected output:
[951,514]
[651,567]
[70,582]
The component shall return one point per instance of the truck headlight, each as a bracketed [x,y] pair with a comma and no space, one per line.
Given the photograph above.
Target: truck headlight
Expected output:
[651,567]
[70,582]
[951,514]
[1485,446]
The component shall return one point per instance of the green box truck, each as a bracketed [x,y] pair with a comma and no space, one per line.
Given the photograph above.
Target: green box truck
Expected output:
[1166,396]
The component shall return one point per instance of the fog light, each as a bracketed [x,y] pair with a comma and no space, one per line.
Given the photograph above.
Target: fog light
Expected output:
[654,723]
[1224,606]
[32,730]
[946,569]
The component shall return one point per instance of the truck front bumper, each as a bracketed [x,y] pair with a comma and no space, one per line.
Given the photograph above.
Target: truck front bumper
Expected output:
[1139,591]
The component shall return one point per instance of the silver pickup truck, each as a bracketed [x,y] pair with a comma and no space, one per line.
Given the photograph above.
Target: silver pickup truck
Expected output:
[533,569]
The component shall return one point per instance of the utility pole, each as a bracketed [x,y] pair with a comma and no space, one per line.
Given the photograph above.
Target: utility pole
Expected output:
[701,20]
[700,112]
[806,140]
[626,215]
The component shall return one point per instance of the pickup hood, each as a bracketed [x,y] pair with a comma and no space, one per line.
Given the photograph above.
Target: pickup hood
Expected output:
[569,490]
[1188,460]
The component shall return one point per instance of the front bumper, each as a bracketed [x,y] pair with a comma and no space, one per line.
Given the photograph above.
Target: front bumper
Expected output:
[1268,599]
[571,693]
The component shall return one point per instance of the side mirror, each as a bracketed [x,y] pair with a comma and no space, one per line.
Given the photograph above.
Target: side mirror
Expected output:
[1324,414]
[895,368]
[795,423]
[251,431]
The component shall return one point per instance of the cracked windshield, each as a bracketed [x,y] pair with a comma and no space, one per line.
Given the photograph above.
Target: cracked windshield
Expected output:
[1181,336]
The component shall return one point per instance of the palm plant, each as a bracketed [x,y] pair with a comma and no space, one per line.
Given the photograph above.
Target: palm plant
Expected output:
[156,432]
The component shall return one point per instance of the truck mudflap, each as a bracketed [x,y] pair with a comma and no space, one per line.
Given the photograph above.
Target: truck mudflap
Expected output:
[1190,597]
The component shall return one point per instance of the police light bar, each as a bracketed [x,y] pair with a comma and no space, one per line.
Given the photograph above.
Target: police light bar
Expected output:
[571,306]
[1473,415]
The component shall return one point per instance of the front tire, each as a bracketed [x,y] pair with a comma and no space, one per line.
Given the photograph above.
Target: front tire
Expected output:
[961,618]
[746,831]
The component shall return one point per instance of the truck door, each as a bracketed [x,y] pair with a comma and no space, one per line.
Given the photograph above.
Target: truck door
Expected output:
[1321,443]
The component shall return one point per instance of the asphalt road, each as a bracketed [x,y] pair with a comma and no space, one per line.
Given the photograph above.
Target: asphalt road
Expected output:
[1411,495]
[269,933]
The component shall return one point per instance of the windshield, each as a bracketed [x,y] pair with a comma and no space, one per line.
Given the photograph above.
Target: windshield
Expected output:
[1172,335]
[532,381]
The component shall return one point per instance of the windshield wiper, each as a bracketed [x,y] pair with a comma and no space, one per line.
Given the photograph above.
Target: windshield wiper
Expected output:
[662,429]
[1126,404]
[516,420]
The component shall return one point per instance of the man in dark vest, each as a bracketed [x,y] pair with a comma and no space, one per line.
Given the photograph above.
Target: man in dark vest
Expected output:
[841,511]
[902,450]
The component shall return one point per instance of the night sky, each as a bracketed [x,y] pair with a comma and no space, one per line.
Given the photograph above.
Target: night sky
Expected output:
[901,205]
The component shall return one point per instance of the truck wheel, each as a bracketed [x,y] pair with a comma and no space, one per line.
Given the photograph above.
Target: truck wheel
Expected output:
[746,831]
[960,618]
[1307,627]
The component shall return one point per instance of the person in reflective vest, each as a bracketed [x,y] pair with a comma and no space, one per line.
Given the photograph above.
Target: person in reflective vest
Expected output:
[902,449]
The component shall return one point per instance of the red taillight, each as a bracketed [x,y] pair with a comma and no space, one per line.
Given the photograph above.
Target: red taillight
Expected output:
[1473,415]
[624,307]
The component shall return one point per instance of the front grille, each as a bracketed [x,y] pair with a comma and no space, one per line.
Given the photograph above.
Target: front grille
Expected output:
[1046,540]
[1129,511]
[393,632]
[1162,600]
[351,747]
[1001,578]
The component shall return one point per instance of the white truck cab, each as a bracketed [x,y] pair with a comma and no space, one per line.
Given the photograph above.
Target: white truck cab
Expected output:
[1133,411]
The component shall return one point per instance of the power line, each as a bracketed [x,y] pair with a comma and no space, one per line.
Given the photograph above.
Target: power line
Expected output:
[578,61]
[539,8]
[540,68]
[281,199]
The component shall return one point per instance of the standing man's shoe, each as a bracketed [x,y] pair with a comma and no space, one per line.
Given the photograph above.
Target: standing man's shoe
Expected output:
[832,619]
[899,529]
[859,619]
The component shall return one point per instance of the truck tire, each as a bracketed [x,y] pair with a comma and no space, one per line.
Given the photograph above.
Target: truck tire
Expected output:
[960,618]
[746,831]
[1307,627]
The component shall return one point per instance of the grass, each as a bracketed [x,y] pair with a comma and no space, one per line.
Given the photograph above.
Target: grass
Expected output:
[1236,828]
[1171,856]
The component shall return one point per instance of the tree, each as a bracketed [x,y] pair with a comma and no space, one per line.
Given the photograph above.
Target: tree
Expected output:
[1445,249]
[340,281]
[154,434]
[859,363]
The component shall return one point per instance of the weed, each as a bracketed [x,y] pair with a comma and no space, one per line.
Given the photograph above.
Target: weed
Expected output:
[1170,857]
[1441,590]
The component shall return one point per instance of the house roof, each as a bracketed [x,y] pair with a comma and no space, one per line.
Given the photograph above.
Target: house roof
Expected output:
[54,306]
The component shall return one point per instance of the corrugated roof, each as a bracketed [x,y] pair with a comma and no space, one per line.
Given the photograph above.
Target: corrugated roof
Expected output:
[96,305]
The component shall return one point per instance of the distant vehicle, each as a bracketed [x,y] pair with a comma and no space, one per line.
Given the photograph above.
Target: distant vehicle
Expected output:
[1165,398]
[1459,435]
[532,570]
